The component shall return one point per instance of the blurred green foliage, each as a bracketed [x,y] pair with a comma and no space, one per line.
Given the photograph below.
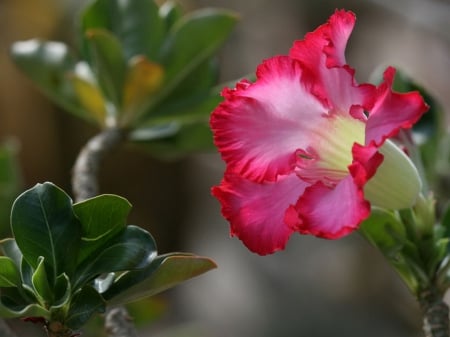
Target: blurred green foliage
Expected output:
[142,68]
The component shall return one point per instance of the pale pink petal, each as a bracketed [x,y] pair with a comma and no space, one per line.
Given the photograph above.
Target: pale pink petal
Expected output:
[261,214]
[392,111]
[332,212]
[259,126]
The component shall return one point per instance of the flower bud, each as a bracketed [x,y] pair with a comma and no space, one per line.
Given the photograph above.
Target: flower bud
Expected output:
[396,184]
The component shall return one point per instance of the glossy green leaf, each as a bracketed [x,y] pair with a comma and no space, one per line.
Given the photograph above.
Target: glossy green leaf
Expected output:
[164,272]
[26,272]
[193,40]
[41,285]
[131,249]
[46,212]
[84,304]
[108,63]
[10,249]
[61,291]
[9,273]
[47,65]
[30,310]
[136,24]
[101,218]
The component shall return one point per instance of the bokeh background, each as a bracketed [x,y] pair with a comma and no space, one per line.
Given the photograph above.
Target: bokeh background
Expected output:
[315,288]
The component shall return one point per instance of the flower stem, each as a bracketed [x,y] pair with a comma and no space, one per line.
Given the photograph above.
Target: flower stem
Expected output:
[85,185]
[435,313]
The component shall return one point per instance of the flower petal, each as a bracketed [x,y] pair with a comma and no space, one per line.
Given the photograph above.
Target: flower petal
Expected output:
[259,126]
[322,53]
[332,212]
[392,111]
[326,45]
[261,215]
[366,160]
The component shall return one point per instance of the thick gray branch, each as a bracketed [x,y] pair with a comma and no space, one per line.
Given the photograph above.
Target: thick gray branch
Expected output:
[119,324]
[85,171]
[435,313]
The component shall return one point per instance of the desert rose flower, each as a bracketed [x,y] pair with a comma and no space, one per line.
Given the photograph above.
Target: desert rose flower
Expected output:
[307,149]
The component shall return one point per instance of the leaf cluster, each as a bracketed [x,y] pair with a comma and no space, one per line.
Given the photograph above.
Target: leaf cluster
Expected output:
[143,68]
[69,261]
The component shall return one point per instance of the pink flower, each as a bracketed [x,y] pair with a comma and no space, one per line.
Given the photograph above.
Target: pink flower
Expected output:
[307,148]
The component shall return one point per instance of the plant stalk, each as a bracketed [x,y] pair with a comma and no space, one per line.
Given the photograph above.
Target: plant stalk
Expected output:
[85,185]
[85,172]
[435,313]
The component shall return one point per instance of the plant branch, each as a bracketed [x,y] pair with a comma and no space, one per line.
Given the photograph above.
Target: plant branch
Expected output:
[435,314]
[85,171]
[119,324]
[85,185]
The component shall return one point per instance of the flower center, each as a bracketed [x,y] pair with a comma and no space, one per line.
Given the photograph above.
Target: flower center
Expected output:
[330,153]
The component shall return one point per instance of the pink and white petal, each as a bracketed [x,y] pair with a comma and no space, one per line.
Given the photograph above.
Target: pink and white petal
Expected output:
[331,213]
[259,126]
[392,111]
[261,214]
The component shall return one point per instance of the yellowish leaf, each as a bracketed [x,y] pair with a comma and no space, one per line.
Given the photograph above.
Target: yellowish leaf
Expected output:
[90,97]
[144,78]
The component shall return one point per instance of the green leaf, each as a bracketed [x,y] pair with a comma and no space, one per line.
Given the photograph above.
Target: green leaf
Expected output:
[108,63]
[193,40]
[136,24]
[9,273]
[26,272]
[61,292]
[46,212]
[385,231]
[191,101]
[196,137]
[170,12]
[131,249]
[84,304]
[47,64]
[191,43]
[10,249]
[41,285]
[101,218]
[29,310]
[164,272]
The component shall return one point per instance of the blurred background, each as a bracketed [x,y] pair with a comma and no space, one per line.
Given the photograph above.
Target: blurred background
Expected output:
[315,288]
